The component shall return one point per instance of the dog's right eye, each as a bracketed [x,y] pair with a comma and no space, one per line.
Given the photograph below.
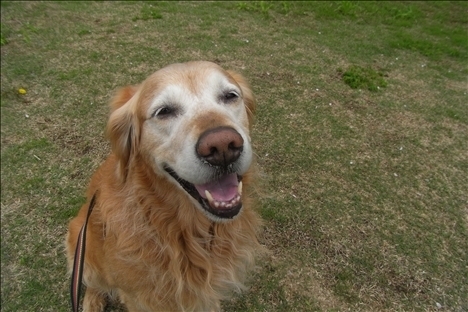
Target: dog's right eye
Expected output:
[165,112]
[231,95]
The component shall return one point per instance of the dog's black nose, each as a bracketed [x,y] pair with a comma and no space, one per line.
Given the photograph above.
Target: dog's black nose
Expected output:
[220,146]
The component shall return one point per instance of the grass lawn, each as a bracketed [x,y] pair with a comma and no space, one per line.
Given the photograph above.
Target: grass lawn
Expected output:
[361,137]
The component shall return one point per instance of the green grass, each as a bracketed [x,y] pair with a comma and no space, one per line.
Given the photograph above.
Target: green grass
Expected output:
[365,193]
[148,12]
[366,78]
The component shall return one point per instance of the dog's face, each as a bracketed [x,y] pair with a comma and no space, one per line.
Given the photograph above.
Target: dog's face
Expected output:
[190,123]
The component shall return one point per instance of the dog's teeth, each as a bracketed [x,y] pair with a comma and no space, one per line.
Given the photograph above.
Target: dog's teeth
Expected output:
[221,204]
[239,188]
[209,196]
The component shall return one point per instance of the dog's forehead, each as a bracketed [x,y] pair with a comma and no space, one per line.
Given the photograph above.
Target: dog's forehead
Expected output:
[189,79]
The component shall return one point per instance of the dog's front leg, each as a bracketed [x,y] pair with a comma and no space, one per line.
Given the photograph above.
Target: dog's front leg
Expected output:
[94,301]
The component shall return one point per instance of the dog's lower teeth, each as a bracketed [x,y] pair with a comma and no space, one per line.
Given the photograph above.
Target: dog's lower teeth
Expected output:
[219,204]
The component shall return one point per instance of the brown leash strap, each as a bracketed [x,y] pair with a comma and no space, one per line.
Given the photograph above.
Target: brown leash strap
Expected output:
[77,274]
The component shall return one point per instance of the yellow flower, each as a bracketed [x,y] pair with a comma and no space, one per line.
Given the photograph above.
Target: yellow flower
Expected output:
[21,91]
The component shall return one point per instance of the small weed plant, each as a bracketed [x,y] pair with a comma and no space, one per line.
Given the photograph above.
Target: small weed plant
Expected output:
[358,77]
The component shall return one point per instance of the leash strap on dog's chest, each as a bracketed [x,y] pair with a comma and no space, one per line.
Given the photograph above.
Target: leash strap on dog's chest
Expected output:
[77,274]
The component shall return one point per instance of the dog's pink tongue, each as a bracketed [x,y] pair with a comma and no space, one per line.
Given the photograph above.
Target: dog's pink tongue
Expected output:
[223,190]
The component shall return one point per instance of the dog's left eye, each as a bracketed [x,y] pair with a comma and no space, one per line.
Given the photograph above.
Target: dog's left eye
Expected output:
[230,96]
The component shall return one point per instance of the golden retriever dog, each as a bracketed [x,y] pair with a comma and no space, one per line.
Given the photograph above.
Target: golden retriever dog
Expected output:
[173,228]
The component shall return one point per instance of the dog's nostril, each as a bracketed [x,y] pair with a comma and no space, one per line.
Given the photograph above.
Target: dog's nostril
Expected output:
[220,146]
[232,146]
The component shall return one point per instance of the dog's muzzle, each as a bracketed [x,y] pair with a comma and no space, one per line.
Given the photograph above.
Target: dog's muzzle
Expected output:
[218,148]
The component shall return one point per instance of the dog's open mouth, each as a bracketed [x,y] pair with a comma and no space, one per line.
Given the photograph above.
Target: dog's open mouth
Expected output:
[220,197]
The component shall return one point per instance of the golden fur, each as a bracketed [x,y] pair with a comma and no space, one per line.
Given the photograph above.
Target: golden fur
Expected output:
[147,242]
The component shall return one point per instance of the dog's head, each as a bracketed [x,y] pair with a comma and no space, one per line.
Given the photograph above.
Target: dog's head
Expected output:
[191,124]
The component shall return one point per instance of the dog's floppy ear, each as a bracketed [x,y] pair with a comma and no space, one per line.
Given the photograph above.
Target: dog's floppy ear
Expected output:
[247,94]
[123,129]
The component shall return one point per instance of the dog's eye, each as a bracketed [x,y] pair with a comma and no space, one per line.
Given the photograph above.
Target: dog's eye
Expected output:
[230,96]
[165,112]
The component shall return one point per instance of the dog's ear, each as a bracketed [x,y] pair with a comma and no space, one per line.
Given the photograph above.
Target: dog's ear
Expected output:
[122,96]
[247,94]
[123,129]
